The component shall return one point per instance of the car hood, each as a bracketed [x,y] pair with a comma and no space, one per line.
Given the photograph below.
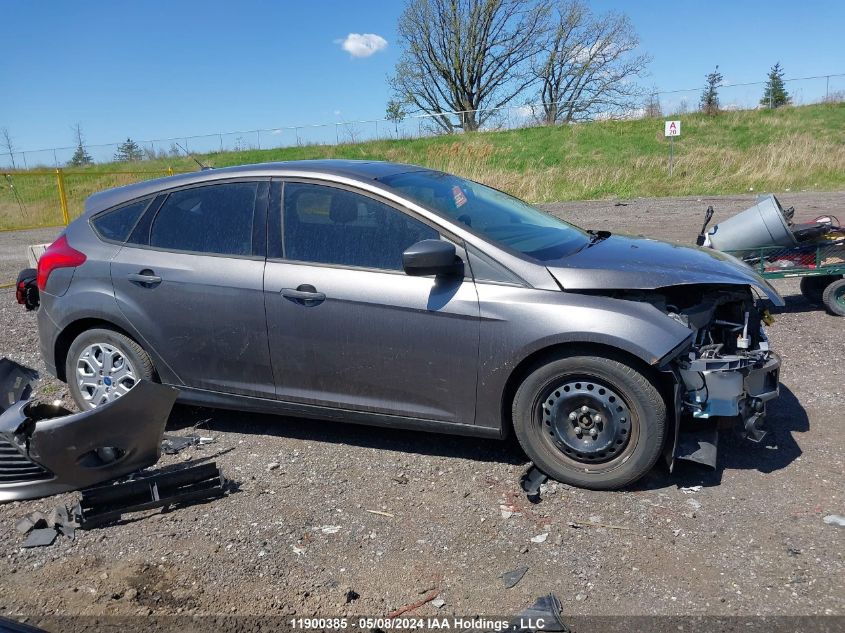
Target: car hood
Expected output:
[623,262]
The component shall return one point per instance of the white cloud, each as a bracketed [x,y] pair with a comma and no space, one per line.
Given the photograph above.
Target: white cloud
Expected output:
[362,44]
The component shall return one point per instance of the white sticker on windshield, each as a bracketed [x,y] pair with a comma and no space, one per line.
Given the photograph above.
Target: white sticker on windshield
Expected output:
[459,196]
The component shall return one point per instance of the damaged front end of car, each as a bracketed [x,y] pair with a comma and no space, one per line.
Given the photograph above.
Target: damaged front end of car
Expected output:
[46,449]
[726,376]
[723,374]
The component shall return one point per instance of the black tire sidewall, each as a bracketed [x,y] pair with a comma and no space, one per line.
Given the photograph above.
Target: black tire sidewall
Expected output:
[137,357]
[813,287]
[829,297]
[642,397]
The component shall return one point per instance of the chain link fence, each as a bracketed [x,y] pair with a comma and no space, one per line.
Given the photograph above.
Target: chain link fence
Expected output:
[45,198]
[739,96]
[37,189]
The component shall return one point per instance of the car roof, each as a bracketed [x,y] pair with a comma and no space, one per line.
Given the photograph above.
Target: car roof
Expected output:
[361,170]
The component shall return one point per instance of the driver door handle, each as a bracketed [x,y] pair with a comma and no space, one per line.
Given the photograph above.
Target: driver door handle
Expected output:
[304,294]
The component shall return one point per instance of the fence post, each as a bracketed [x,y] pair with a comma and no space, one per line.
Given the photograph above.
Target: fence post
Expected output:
[60,179]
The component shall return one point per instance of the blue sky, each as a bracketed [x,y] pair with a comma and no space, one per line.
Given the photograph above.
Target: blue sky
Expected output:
[153,69]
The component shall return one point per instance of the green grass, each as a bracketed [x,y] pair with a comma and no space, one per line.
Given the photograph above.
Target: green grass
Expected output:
[766,150]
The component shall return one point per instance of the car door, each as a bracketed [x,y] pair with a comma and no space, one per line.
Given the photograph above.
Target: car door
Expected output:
[190,280]
[348,328]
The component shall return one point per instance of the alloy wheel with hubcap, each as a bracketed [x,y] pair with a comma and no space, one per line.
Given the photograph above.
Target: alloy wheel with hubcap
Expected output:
[103,374]
[103,365]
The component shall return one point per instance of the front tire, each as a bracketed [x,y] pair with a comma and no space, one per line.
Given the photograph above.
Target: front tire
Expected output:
[590,421]
[103,365]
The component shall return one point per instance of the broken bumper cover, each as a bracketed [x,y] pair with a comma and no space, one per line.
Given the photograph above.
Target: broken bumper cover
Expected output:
[45,449]
[732,387]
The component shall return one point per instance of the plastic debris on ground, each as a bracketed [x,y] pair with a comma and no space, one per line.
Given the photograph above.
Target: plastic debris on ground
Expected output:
[511,578]
[688,490]
[161,489]
[42,530]
[531,482]
[172,444]
[835,519]
[546,610]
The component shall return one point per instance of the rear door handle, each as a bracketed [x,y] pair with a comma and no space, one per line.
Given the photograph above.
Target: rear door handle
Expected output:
[145,277]
[304,294]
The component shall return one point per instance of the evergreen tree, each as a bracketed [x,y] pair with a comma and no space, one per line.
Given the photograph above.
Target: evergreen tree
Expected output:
[128,151]
[775,94]
[81,156]
[710,97]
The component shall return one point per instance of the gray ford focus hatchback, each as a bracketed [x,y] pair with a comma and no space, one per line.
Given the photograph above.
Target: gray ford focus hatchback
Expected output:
[394,295]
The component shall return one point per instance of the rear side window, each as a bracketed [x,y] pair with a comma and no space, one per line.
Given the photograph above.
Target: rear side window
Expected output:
[116,224]
[214,219]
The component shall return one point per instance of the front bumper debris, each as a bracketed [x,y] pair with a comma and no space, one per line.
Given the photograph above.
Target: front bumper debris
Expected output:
[107,504]
[732,386]
[720,392]
[46,449]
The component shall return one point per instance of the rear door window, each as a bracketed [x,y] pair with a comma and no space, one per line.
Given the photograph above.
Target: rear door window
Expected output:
[116,224]
[214,219]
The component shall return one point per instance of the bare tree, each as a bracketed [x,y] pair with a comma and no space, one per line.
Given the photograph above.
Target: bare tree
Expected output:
[588,64]
[652,108]
[8,143]
[466,55]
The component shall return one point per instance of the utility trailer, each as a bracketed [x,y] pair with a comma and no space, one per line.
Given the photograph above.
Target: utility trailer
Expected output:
[765,238]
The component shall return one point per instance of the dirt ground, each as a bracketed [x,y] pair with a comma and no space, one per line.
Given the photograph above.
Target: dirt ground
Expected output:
[325,508]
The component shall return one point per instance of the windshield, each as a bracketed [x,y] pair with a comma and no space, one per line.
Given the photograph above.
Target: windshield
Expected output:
[492,214]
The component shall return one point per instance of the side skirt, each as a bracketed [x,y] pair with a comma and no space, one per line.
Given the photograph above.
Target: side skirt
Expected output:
[201,397]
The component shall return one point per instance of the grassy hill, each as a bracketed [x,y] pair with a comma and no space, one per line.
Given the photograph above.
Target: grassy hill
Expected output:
[767,150]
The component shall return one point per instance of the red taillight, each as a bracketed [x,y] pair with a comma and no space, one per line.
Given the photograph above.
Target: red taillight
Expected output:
[59,254]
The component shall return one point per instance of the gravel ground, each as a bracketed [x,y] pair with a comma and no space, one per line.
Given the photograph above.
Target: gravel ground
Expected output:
[304,527]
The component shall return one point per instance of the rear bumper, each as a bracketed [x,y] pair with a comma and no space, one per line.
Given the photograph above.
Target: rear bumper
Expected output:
[48,332]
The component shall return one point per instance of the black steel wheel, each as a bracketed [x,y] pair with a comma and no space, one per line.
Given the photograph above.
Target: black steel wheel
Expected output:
[591,421]
[587,420]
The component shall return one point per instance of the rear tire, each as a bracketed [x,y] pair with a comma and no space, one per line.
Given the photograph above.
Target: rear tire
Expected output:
[813,287]
[834,297]
[618,428]
[103,365]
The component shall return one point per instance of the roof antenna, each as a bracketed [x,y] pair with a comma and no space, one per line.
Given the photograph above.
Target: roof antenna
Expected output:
[192,157]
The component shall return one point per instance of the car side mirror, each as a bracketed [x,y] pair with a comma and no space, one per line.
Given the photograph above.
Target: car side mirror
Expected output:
[432,257]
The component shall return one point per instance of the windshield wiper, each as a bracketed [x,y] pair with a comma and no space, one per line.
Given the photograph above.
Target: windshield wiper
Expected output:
[597,236]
